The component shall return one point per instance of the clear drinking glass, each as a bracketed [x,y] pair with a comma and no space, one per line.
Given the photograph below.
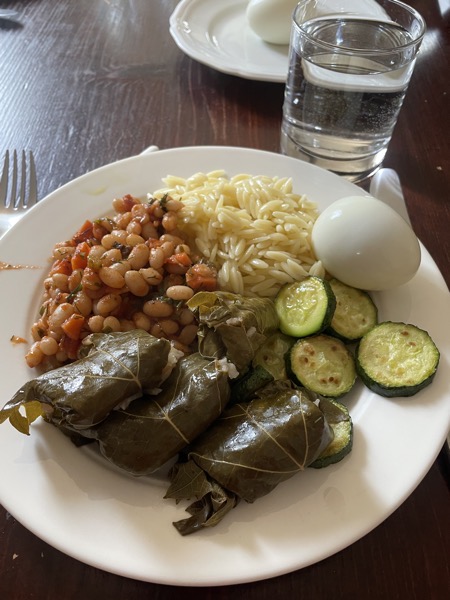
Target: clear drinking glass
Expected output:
[349,68]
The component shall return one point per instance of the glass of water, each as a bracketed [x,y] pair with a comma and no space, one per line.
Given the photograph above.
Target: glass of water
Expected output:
[349,68]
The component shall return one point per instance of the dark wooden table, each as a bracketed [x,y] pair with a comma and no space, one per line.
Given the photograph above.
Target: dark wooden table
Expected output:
[86,82]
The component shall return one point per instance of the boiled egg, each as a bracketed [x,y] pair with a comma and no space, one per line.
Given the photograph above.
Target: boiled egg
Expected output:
[271,20]
[364,243]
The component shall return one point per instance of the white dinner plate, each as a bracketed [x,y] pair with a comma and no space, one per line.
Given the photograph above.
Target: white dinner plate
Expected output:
[216,33]
[75,501]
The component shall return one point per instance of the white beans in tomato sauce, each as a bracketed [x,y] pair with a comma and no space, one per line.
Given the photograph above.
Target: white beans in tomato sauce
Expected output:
[128,271]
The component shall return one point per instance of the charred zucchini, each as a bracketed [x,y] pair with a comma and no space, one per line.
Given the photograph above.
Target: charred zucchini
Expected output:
[339,419]
[268,364]
[355,312]
[305,307]
[396,359]
[322,364]
[271,355]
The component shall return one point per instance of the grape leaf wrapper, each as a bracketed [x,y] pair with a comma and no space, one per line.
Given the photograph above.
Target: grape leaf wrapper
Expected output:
[117,368]
[153,429]
[232,326]
[253,447]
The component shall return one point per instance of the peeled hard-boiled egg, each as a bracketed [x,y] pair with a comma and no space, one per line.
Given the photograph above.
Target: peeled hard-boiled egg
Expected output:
[364,243]
[271,20]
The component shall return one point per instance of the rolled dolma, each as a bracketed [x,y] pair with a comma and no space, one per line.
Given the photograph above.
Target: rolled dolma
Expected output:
[153,429]
[232,326]
[117,368]
[247,452]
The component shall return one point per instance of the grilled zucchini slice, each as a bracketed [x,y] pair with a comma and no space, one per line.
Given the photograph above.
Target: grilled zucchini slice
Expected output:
[271,355]
[305,307]
[322,364]
[340,421]
[355,312]
[396,359]
[268,364]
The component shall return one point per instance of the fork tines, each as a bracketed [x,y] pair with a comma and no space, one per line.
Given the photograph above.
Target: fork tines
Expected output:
[18,186]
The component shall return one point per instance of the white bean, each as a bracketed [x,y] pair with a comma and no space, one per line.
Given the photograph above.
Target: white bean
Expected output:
[149,231]
[49,346]
[96,252]
[107,304]
[138,256]
[111,324]
[61,281]
[157,258]
[186,316]
[121,267]
[110,257]
[108,241]
[111,277]
[142,321]
[133,239]
[82,303]
[134,227]
[170,221]
[60,314]
[136,284]
[157,308]
[168,248]
[63,252]
[95,323]
[34,355]
[74,279]
[120,235]
[188,334]
[151,276]
[179,292]
[168,326]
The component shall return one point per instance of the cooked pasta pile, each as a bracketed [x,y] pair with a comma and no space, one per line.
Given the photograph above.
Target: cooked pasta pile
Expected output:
[253,228]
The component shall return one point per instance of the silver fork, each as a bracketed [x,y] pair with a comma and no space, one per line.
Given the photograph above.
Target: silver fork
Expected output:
[18,188]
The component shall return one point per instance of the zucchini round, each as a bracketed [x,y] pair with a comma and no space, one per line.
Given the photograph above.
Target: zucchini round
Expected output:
[305,307]
[396,359]
[271,355]
[322,364]
[355,313]
[338,418]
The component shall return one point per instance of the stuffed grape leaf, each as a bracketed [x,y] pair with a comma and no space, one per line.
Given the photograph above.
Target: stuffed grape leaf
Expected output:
[153,429]
[232,326]
[116,369]
[248,451]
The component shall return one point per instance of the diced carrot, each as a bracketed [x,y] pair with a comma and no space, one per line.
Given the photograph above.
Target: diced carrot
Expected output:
[84,233]
[73,326]
[202,277]
[179,259]
[203,284]
[62,265]
[79,258]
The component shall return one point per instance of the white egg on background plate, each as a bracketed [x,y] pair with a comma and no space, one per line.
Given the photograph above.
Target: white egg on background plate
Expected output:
[271,20]
[366,244]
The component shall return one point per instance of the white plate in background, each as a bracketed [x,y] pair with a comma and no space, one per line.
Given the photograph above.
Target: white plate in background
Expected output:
[216,33]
